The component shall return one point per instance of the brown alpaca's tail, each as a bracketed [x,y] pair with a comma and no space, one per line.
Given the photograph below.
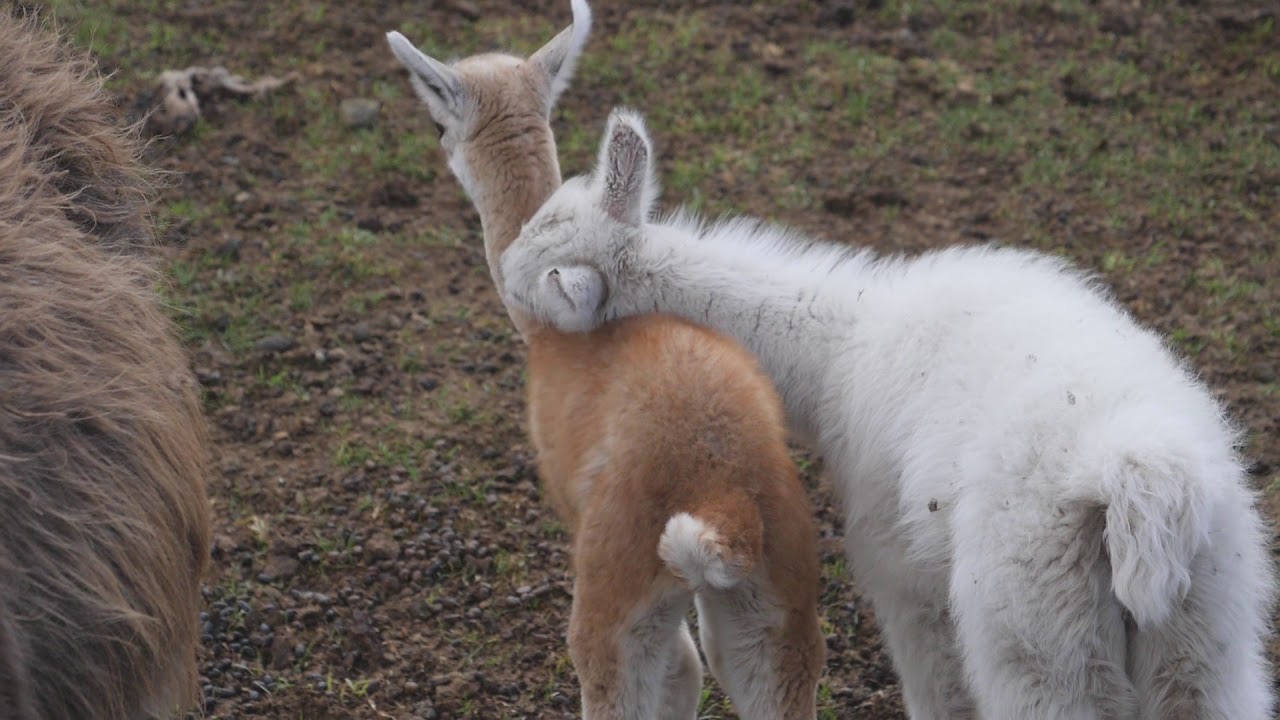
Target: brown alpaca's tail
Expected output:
[713,548]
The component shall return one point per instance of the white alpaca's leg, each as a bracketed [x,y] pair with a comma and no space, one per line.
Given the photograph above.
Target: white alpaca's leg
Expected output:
[1207,661]
[683,686]
[921,641]
[1042,635]
[911,611]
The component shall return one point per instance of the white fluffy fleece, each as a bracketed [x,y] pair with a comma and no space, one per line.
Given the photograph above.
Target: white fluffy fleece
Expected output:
[1044,505]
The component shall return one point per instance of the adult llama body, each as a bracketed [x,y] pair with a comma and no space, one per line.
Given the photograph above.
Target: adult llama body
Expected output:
[104,521]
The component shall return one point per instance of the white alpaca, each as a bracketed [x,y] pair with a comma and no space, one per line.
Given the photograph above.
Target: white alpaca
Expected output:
[660,443]
[1043,505]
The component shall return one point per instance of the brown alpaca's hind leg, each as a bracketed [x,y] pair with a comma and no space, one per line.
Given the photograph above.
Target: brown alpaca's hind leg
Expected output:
[627,635]
[766,653]
[683,688]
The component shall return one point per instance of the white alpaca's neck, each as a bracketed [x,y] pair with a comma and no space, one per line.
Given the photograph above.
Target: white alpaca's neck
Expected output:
[769,290]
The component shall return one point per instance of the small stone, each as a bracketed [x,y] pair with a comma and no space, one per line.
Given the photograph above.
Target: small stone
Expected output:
[843,14]
[1264,372]
[208,378]
[360,112]
[466,9]
[381,547]
[230,248]
[279,566]
[280,653]
[274,343]
[224,546]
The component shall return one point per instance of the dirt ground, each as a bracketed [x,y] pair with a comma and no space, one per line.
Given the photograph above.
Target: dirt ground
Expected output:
[381,547]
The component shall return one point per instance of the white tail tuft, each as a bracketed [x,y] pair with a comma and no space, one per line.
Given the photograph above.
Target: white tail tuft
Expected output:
[1155,524]
[696,554]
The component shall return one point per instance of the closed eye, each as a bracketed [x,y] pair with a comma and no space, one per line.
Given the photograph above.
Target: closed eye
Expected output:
[439,130]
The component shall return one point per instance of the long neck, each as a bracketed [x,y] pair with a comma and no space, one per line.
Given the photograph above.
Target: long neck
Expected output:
[512,191]
[784,304]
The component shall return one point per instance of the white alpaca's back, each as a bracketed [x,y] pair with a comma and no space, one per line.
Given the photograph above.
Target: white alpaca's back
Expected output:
[1022,376]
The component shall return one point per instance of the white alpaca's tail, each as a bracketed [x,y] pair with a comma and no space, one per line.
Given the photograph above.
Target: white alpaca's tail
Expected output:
[704,555]
[1157,519]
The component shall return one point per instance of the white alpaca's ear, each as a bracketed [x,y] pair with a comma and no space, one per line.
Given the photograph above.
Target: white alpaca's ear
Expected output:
[624,172]
[559,57]
[437,84]
[571,297]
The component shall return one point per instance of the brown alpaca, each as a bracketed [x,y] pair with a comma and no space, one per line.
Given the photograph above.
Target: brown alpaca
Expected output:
[660,443]
[104,522]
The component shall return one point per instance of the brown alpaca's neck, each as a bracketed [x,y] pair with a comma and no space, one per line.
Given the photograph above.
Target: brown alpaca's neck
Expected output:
[515,192]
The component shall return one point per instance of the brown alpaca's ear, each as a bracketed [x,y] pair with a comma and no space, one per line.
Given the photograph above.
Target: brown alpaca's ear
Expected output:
[558,58]
[436,83]
[624,172]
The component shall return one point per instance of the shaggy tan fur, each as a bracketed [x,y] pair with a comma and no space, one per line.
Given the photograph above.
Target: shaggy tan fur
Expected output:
[104,522]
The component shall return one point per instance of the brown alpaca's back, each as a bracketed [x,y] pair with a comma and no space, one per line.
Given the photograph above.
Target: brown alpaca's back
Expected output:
[653,415]
[104,526]
[663,402]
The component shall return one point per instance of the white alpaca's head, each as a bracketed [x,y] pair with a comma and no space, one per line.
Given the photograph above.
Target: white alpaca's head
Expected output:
[580,242]
[493,98]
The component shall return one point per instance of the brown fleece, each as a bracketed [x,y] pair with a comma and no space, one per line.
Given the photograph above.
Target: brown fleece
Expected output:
[104,521]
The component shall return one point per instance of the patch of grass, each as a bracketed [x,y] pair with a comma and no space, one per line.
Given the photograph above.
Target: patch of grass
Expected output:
[828,707]
[511,567]
[1221,286]
[836,570]
[710,707]
[352,455]
[390,450]
[553,529]
[361,302]
[1115,261]
[411,361]
[302,295]
[439,236]
[357,688]
[1187,343]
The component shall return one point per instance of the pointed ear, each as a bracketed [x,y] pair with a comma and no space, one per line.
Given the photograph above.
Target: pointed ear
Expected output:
[559,57]
[435,82]
[624,178]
